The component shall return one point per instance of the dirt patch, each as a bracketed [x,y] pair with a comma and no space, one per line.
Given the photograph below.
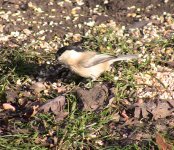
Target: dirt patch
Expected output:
[29,21]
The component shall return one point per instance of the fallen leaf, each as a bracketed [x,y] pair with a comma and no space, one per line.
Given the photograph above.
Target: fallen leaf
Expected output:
[31,108]
[140,109]
[125,116]
[8,106]
[94,98]
[11,95]
[162,144]
[35,110]
[144,112]
[38,87]
[161,111]
[61,116]
[56,106]
[137,112]
[61,89]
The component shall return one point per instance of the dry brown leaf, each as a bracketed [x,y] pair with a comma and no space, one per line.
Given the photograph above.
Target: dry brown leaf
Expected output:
[140,109]
[162,144]
[11,95]
[125,116]
[144,112]
[137,112]
[61,116]
[38,87]
[35,110]
[161,111]
[61,89]
[8,106]
[94,98]
[56,106]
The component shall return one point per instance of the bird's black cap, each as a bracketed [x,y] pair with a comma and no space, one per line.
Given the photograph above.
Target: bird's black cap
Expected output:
[65,48]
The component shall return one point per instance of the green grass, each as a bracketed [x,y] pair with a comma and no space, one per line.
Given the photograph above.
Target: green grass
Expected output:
[80,130]
[19,142]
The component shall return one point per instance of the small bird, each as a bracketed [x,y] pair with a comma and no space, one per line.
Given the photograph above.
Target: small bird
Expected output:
[88,64]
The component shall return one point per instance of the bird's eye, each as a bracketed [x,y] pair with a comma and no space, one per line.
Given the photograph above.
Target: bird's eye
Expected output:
[57,56]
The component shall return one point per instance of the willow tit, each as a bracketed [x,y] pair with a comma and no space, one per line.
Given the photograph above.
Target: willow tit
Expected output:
[88,64]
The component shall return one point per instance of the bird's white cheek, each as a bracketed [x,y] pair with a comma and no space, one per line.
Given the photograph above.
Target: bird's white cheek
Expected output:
[61,59]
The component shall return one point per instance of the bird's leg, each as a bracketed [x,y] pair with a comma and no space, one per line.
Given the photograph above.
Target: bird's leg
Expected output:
[89,84]
[112,68]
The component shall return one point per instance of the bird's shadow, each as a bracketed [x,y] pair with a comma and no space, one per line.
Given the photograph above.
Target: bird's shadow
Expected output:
[51,72]
[47,72]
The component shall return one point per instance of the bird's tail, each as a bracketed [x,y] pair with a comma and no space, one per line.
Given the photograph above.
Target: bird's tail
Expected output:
[125,57]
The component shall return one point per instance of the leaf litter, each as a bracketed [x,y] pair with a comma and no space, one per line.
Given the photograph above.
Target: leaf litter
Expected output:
[134,115]
[157,108]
